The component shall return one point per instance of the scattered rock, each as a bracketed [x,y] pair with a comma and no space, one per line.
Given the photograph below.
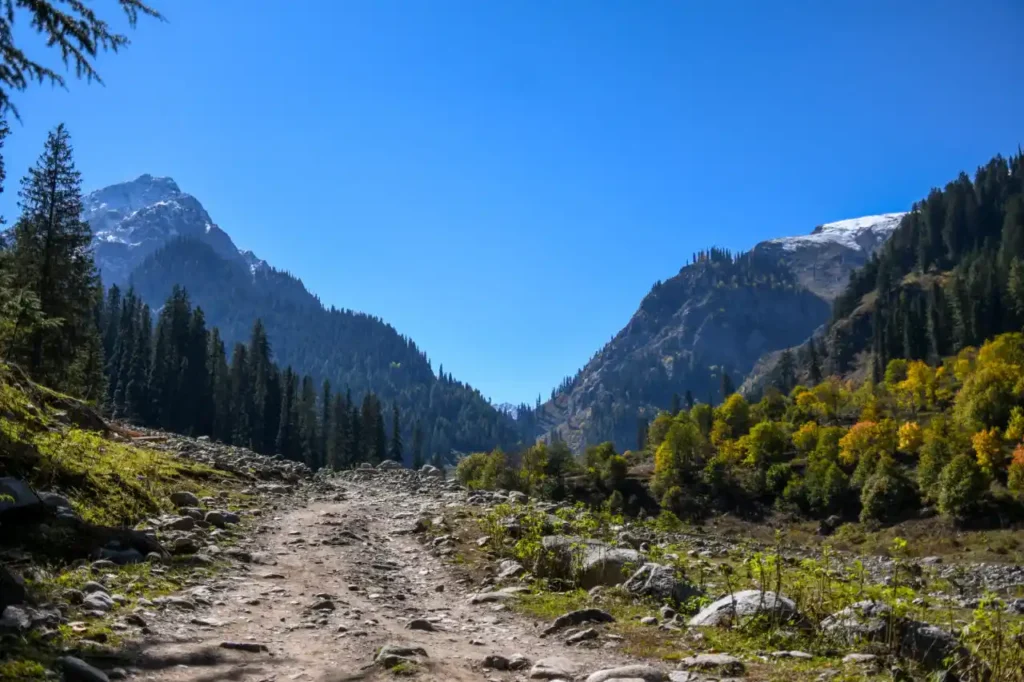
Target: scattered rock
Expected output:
[648,620]
[98,601]
[629,672]
[12,588]
[860,659]
[659,582]
[184,499]
[745,604]
[420,624]
[509,569]
[180,523]
[251,647]
[495,662]
[928,645]
[215,518]
[496,596]
[577,617]
[722,664]
[391,655]
[582,636]
[15,618]
[77,670]
[553,668]
[388,464]
[863,621]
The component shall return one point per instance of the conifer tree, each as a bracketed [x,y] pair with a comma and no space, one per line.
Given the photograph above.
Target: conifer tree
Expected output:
[309,437]
[138,401]
[220,388]
[395,445]
[326,426]
[240,407]
[417,446]
[288,442]
[51,258]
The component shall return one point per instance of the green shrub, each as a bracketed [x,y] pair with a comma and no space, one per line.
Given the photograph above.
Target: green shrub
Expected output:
[960,485]
[885,493]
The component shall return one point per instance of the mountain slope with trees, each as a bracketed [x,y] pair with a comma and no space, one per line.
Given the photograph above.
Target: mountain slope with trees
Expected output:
[700,333]
[151,237]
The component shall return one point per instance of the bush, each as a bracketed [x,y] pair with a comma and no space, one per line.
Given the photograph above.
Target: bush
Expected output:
[885,493]
[616,469]
[777,477]
[1015,478]
[673,500]
[960,485]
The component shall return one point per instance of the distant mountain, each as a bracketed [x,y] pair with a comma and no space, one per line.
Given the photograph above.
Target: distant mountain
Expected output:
[150,235]
[717,317]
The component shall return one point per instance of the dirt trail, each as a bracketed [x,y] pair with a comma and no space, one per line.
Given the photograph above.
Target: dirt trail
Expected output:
[352,555]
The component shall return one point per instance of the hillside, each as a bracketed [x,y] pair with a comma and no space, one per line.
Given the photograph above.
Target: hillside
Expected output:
[717,317]
[150,235]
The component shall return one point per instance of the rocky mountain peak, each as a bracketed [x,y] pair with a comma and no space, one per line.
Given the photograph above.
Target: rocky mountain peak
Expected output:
[131,220]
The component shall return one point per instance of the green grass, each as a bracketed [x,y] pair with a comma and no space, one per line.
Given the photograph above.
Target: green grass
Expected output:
[21,671]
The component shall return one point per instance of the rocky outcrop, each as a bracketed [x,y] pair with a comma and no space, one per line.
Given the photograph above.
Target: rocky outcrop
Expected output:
[588,562]
[660,582]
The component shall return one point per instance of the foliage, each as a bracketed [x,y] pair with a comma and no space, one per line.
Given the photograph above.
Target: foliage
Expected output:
[73,28]
[960,486]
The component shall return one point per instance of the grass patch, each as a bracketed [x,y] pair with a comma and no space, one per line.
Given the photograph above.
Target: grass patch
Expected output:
[21,671]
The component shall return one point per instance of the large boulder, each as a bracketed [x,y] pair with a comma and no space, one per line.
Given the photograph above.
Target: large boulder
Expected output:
[17,498]
[864,621]
[660,582]
[738,606]
[588,562]
[930,646]
[389,464]
[12,588]
[184,498]
[629,672]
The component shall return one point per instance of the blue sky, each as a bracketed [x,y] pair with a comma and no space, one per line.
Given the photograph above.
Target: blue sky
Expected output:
[503,181]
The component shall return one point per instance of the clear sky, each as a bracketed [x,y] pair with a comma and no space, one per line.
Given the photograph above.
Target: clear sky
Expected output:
[504,180]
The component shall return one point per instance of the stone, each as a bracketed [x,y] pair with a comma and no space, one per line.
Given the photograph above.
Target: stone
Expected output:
[577,617]
[323,605]
[928,645]
[184,498]
[420,624]
[389,465]
[648,620]
[800,655]
[251,647]
[12,588]
[659,582]
[745,604]
[667,612]
[863,621]
[230,518]
[629,672]
[55,500]
[391,655]
[15,618]
[215,518]
[509,569]
[17,497]
[483,540]
[497,596]
[553,668]
[431,470]
[722,664]
[98,601]
[180,523]
[93,586]
[582,636]
[495,662]
[860,659]
[185,545]
[121,557]
[77,670]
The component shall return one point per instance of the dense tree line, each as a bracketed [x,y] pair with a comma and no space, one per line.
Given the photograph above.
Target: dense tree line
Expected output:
[951,276]
[345,347]
[179,377]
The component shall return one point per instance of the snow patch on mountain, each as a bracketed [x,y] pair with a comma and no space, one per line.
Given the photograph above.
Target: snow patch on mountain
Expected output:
[859,234]
[131,220]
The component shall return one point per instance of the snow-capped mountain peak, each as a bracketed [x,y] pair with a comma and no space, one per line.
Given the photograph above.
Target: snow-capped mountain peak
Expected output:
[860,234]
[131,220]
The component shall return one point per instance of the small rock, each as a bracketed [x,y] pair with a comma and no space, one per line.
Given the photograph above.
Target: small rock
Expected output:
[553,668]
[251,647]
[184,499]
[420,624]
[582,636]
[629,672]
[860,659]
[577,617]
[77,670]
[648,620]
[103,565]
[495,662]
[723,664]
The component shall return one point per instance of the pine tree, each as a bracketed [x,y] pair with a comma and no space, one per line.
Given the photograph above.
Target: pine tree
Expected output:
[196,377]
[310,436]
[380,436]
[689,399]
[287,435]
[395,445]
[220,388]
[340,456]
[417,446]
[787,371]
[1015,290]
[138,399]
[240,391]
[727,387]
[675,406]
[262,414]
[51,257]
[813,362]
[356,448]
[326,425]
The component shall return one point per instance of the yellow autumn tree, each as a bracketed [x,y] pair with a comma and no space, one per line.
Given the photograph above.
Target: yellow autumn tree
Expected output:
[910,437]
[806,437]
[988,448]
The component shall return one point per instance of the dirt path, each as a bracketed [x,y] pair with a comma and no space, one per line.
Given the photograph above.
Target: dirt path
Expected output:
[346,581]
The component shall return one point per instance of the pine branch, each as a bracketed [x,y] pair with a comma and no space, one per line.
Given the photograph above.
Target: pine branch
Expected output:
[77,32]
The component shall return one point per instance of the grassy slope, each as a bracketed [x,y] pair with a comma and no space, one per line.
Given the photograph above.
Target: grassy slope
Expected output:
[108,482]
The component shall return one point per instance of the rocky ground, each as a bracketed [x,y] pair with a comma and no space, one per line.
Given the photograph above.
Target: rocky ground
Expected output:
[364,575]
